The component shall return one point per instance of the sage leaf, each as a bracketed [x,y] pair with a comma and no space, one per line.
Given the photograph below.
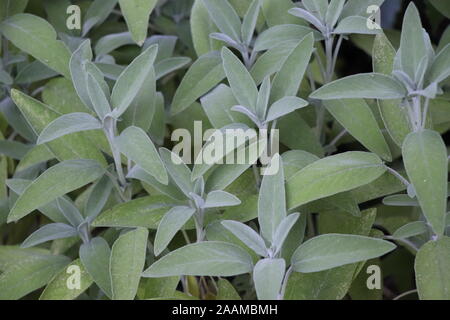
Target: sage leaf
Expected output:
[49,232]
[241,82]
[127,262]
[95,256]
[225,17]
[170,224]
[284,106]
[56,181]
[268,276]
[137,14]
[249,22]
[131,80]
[138,147]
[358,119]
[425,158]
[431,265]
[211,258]
[66,124]
[410,230]
[332,175]
[37,37]
[364,85]
[334,250]
[57,288]
[272,201]
[202,76]
[412,43]
[217,199]
[355,25]
[394,115]
[247,235]
[288,79]
[31,271]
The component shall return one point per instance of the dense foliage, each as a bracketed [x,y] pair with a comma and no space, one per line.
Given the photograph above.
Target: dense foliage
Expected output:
[345,198]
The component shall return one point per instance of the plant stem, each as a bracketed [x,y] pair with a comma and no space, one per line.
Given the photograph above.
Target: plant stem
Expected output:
[405,294]
[198,219]
[285,281]
[398,176]
[110,132]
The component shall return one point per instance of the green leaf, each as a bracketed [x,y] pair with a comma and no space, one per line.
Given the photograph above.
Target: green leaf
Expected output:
[268,276]
[211,258]
[204,74]
[97,13]
[410,230]
[249,22]
[170,224]
[14,149]
[218,199]
[334,250]
[201,28]
[70,211]
[111,42]
[394,115]
[425,158]
[225,17]
[39,115]
[30,270]
[276,12]
[317,7]
[280,35]
[98,197]
[132,79]
[357,118]
[272,201]
[332,175]
[288,79]
[141,212]
[53,183]
[66,124]
[58,289]
[262,102]
[431,265]
[442,6]
[412,43]
[11,7]
[283,230]
[127,262]
[226,291]
[247,235]
[241,82]
[359,8]
[285,106]
[356,25]
[170,65]
[137,14]
[49,232]
[217,105]
[179,172]
[296,134]
[364,85]
[334,11]
[440,69]
[95,256]
[37,37]
[138,147]
[97,97]
[78,73]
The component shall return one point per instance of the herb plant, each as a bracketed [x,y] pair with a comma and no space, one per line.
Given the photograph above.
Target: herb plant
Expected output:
[105,192]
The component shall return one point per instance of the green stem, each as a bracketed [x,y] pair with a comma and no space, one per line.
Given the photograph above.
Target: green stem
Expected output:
[285,282]
[110,132]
